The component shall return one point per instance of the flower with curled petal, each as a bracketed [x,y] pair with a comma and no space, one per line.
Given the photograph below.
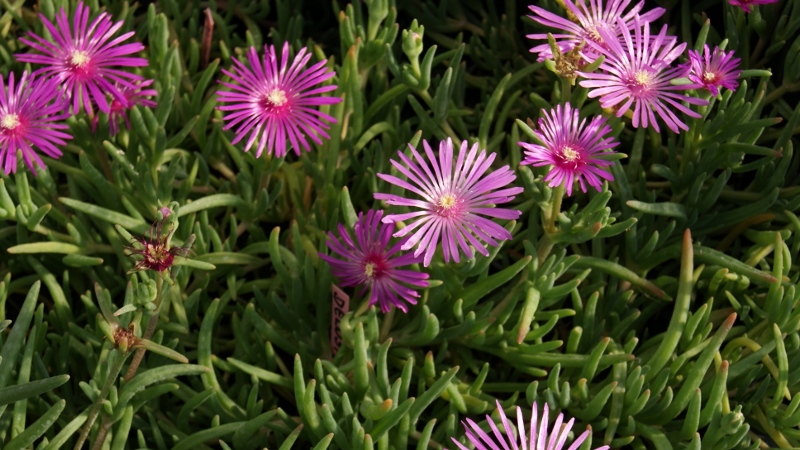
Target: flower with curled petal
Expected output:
[457,199]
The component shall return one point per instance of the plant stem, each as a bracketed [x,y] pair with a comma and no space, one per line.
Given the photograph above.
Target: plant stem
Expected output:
[546,243]
[148,333]
[113,374]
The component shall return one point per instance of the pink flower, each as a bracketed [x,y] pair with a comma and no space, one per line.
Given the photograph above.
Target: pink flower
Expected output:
[30,112]
[712,70]
[518,439]
[85,58]
[455,197]
[274,101]
[132,96]
[587,22]
[371,262]
[746,4]
[571,147]
[637,73]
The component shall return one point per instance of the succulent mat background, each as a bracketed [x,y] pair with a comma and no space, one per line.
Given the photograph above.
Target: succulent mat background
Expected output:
[655,336]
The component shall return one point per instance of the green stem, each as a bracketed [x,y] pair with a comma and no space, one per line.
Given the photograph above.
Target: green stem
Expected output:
[550,218]
[566,89]
[148,333]
[113,374]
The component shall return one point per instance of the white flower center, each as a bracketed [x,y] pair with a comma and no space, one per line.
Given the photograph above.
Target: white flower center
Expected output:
[10,121]
[79,58]
[709,77]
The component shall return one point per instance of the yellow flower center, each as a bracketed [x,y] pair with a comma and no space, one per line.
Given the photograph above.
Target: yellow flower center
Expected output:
[569,154]
[369,269]
[277,97]
[10,121]
[644,77]
[709,77]
[79,58]
[447,201]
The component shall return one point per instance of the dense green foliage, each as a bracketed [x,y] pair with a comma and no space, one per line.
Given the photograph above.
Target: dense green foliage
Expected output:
[663,312]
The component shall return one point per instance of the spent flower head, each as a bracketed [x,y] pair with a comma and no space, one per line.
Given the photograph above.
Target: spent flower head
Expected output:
[371,261]
[585,22]
[155,251]
[713,69]
[85,58]
[537,439]
[32,112]
[275,100]
[572,147]
[637,73]
[457,200]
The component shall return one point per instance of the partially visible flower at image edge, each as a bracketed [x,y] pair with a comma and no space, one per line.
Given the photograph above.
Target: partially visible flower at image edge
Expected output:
[572,148]
[373,262]
[637,72]
[508,439]
[588,20]
[136,95]
[710,70]
[455,194]
[273,101]
[86,59]
[746,4]
[32,112]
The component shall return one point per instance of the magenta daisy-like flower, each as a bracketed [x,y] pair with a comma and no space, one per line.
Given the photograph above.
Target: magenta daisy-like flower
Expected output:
[276,100]
[508,439]
[572,148]
[456,197]
[714,69]
[637,72]
[372,262]
[747,4]
[587,23]
[132,96]
[31,112]
[85,58]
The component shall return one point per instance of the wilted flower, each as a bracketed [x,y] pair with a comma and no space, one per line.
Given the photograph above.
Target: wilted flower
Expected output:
[714,69]
[747,4]
[156,251]
[507,438]
[370,261]
[587,21]
[572,148]
[637,73]
[273,101]
[455,194]
[30,112]
[132,96]
[85,58]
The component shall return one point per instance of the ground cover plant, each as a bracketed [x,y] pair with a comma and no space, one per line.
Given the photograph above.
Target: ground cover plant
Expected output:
[399,224]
